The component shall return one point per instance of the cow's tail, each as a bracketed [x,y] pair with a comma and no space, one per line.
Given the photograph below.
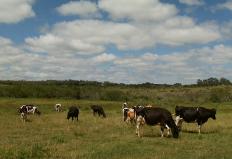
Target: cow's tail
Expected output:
[173,127]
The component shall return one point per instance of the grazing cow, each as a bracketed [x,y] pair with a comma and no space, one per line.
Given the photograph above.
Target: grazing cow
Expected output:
[156,116]
[200,115]
[58,107]
[29,109]
[98,109]
[73,112]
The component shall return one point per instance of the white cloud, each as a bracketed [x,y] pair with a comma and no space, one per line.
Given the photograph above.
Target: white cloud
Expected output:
[13,11]
[145,10]
[89,37]
[226,29]
[184,67]
[104,58]
[192,2]
[86,37]
[150,23]
[81,8]
[183,30]
[225,5]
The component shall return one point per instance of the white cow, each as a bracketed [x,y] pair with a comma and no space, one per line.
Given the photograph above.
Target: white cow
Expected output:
[58,107]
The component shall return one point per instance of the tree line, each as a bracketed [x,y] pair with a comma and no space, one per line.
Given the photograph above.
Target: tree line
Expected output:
[213,82]
[94,90]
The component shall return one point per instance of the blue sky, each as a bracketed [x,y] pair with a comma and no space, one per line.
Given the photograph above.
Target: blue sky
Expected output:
[133,41]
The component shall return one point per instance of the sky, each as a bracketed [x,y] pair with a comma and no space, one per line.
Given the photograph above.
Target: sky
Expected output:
[132,41]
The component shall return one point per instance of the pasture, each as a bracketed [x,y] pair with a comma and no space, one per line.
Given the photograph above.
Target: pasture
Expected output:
[51,135]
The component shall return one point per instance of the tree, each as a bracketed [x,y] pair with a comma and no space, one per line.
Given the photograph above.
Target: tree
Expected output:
[225,81]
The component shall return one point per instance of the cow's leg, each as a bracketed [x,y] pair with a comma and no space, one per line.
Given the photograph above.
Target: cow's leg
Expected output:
[124,118]
[199,123]
[168,129]
[162,130]
[139,124]
[139,130]
[199,128]
[127,120]
[33,111]
[134,120]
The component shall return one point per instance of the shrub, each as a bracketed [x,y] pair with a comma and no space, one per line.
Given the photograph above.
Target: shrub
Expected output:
[218,95]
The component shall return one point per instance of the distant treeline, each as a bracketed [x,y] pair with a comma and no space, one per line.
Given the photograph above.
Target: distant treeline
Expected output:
[213,82]
[145,92]
[205,82]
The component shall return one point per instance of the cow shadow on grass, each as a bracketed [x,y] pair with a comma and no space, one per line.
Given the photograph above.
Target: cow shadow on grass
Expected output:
[202,132]
[151,135]
[155,135]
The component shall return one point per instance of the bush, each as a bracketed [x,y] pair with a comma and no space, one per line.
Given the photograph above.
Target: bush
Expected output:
[218,95]
[114,95]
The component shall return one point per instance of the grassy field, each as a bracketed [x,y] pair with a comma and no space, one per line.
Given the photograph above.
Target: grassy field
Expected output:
[52,136]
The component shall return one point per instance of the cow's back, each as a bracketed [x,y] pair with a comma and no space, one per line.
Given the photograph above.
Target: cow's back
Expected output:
[156,115]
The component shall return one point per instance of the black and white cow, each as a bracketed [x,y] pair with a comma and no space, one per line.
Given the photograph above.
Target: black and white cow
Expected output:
[98,109]
[58,107]
[200,115]
[155,116]
[73,112]
[125,109]
[29,109]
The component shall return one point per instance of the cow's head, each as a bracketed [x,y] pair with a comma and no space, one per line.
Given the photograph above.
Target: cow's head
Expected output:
[68,116]
[213,114]
[139,111]
[178,122]
[38,112]
[178,110]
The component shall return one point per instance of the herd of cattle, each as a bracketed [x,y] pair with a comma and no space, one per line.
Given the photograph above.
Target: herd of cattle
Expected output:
[140,115]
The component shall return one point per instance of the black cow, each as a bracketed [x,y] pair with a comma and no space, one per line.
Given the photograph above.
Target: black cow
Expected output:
[156,116]
[200,115]
[98,109]
[73,112]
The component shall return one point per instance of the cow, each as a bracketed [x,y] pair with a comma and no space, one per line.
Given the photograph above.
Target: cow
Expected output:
[73,112]
[58,107]
[124,111]
[98,109]
[200,115]
[155,116]
[29,109]
[130,116]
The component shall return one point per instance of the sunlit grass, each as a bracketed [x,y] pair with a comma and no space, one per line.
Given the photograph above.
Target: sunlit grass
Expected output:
[51,135]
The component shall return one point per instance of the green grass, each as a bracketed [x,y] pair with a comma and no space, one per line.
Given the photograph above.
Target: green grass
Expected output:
[52,136]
